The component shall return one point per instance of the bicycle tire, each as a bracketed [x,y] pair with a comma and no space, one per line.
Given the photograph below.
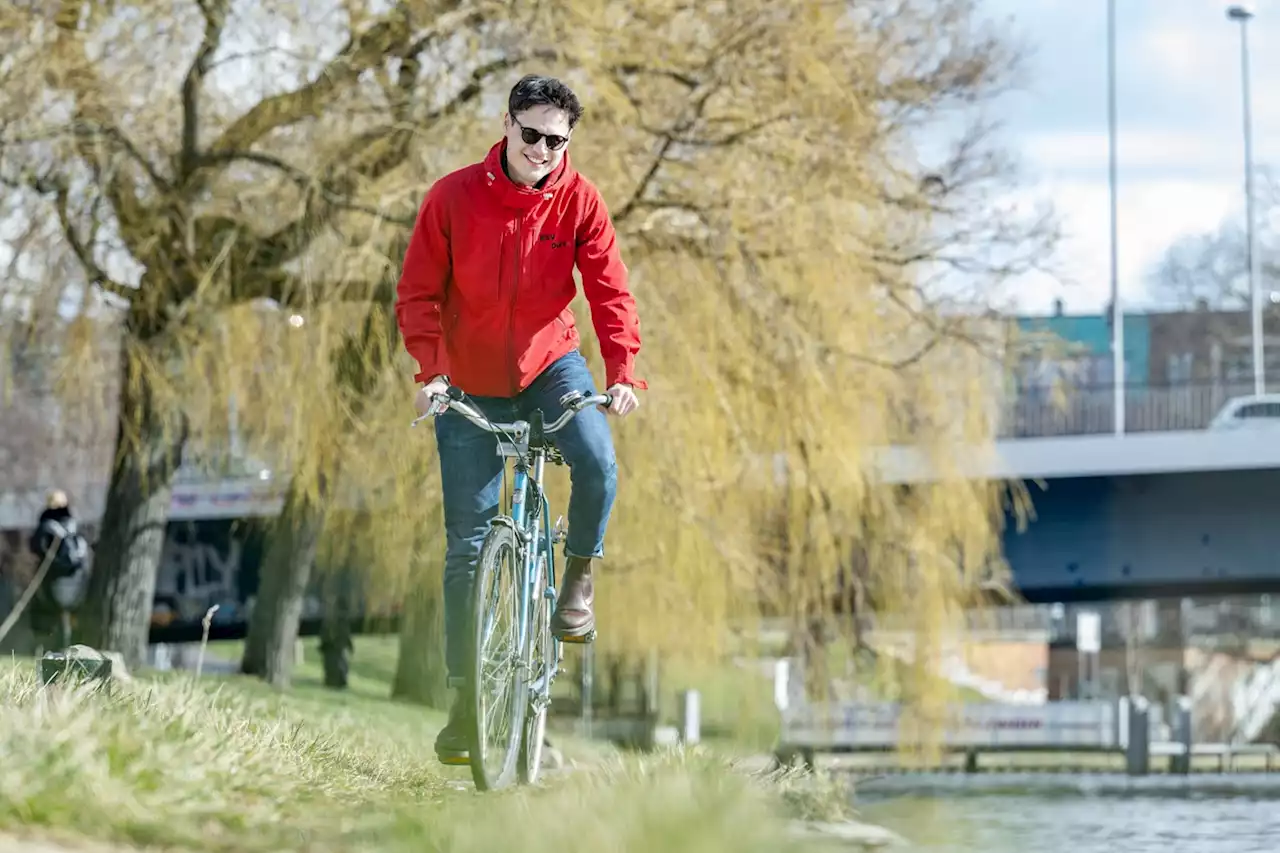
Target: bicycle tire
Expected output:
[540,657]
[492,775]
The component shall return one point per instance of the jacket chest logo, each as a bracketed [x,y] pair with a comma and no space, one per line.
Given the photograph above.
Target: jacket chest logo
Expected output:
[551,238]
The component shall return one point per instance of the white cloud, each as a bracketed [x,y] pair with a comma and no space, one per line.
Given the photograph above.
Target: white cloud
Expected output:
[1152,214]
[1180,155]
[1144,148]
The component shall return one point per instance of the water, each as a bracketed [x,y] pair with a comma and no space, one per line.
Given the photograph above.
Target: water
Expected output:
[1050,813]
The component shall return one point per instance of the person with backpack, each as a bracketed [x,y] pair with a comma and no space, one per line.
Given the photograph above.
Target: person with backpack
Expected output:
[57,538]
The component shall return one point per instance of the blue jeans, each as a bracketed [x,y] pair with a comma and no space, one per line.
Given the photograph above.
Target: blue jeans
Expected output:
[471,478]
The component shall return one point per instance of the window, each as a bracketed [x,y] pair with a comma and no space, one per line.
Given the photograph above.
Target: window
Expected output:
[1259,410]
[1178,369]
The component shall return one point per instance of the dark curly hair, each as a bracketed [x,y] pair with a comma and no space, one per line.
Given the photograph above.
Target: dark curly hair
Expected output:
[535,90]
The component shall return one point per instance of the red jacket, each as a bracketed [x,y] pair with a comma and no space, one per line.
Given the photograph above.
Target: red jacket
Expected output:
[488,277]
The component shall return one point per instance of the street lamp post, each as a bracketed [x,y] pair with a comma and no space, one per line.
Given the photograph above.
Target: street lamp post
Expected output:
[1242,14]
[1117,312]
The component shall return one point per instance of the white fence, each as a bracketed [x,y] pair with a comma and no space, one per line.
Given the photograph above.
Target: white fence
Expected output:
[855,726]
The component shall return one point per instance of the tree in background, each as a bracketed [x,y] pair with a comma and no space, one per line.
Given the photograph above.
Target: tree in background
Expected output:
[787,245]
[193,164]
[1213,268]
[807,273]
[1209,274]
[788,240]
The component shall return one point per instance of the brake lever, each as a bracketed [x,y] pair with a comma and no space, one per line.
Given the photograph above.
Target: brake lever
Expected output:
[436,408]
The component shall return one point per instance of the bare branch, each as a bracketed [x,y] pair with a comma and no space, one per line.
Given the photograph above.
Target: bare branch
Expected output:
[368,157]
[82,250]
[698,99]
[680,77]
[308,184]
[215,17]
[729,139]
[103,136]
[391,35]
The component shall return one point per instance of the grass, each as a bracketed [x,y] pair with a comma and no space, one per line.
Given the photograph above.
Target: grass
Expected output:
[738,713]
[227,764]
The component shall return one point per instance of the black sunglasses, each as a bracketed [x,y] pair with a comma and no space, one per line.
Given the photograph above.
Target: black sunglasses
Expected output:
[531,136]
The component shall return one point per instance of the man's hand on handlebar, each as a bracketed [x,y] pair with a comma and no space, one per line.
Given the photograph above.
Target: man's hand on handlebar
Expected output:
[433,399]
[624,402]
[425,401]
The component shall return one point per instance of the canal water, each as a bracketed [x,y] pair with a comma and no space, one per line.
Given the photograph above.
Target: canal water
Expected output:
[1053,813]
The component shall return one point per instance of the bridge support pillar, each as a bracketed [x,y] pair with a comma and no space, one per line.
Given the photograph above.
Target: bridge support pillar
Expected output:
[1137,754]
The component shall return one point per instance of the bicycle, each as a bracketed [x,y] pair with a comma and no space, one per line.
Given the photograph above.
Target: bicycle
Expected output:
[526,537]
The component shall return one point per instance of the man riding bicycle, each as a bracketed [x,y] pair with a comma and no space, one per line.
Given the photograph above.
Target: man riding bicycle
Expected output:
[483,304]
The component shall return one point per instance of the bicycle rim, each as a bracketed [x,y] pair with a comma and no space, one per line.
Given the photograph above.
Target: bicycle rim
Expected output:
[500,688]
[541,671]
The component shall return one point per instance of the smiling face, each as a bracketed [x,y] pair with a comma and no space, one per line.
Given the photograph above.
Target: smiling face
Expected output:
[530,163]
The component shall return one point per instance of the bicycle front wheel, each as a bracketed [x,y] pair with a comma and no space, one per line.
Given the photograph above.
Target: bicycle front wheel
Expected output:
[499,682]
[542,672]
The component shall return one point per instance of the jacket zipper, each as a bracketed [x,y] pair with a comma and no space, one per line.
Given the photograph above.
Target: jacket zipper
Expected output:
[511,315]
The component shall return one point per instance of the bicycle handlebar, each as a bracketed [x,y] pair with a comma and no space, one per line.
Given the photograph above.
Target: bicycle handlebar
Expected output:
[573,402]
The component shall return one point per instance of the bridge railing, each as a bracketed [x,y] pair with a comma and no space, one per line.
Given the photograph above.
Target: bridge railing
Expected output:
[1253,617]
[1088,409]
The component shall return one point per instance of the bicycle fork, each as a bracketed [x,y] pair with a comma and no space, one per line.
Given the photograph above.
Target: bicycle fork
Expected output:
[558,534]
[542,688]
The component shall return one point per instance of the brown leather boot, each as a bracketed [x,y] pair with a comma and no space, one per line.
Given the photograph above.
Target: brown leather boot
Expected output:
[573,617]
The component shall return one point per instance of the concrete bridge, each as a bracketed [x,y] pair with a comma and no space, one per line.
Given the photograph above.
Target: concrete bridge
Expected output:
[1154,514]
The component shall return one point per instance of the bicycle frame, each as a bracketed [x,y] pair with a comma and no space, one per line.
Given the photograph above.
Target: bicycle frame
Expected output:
[533,534]
[527,444]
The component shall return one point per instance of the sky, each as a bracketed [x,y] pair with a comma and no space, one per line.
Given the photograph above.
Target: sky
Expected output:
[1180,133]
[1179,122]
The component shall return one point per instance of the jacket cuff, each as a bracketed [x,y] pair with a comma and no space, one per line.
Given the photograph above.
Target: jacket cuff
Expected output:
[429,370]
[430,364]
[624,374]
[425,376]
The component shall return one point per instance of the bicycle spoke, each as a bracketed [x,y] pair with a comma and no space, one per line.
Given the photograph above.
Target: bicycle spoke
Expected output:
[498,674]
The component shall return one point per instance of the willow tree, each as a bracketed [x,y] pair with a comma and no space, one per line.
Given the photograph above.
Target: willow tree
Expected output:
[800,263]
[193,163]
[805,275]
[321,476]
[785,230]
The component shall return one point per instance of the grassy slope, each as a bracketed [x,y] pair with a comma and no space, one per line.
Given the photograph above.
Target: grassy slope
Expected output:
[738,714]
[228,764]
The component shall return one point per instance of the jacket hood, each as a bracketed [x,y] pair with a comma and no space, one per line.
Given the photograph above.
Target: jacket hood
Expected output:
[512,194]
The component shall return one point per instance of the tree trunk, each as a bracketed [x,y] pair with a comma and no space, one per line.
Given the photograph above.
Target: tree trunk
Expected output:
[335,628]
[116,615]
[286,571]
[421,675]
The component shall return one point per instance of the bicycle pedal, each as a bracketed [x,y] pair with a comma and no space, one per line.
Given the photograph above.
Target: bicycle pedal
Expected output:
[582,640]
